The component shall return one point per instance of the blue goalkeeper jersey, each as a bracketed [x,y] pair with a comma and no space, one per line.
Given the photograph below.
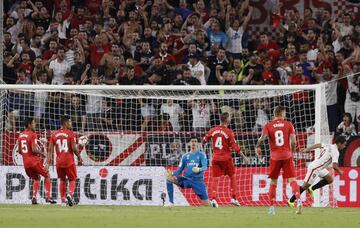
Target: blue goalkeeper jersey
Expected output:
[191,160]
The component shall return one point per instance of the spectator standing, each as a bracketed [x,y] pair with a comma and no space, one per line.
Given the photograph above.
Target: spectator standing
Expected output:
[213,61]
[197,68]
[58,68]
[174,111]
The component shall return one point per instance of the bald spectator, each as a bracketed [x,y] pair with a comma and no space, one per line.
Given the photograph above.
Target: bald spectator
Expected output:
[97,50]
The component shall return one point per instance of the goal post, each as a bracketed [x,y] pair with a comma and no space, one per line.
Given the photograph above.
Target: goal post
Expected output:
[137,132]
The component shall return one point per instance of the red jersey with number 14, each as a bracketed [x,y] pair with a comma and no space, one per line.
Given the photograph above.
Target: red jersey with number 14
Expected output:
[223,141]
[279,132]
[25,142]
[63,139]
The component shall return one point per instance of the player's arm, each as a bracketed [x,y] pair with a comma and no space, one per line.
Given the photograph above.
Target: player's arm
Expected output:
[203,165]
[236,147]
[311,148]
[293,142]
[292,138]
[206,138]
[335,166]
[335,161]
[261,141]
[233,143]
[50,151]
[181,167]
[19,148]
[75,149]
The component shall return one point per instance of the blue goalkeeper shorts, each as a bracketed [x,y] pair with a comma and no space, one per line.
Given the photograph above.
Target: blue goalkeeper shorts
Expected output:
[197,185]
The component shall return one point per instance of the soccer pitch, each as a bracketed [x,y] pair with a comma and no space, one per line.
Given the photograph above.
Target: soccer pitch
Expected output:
[46,216]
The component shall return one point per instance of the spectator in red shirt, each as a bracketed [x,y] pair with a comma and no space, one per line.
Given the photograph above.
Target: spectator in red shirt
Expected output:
[78,19]
[180,47]
[94,5]
[269,76]
[97,51]
[164,55]
[291,54]
[51,51]
[267,44]
[26,64]
[298,78]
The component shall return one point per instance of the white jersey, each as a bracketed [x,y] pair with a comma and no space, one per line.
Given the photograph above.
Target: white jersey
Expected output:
[329,154]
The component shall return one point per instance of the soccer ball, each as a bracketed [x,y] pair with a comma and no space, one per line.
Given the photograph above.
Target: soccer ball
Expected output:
[83,140]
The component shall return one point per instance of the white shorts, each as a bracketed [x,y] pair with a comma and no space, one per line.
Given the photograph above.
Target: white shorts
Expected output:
[313,172]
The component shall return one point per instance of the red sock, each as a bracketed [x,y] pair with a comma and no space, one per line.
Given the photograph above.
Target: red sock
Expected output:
[47,187]
[272,193]
[62,190]
[295,189]
[233,184]
[71,187]
[215,181]
[35,188]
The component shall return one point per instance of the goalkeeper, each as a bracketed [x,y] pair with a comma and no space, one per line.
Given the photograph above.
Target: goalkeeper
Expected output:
[194,163]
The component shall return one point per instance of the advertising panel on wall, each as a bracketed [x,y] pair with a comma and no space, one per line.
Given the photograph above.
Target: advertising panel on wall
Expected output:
[144,186]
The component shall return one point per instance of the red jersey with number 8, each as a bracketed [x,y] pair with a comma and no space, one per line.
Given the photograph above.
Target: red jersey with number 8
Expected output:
[279,132]
[223,141]
[25,142]
[63,139]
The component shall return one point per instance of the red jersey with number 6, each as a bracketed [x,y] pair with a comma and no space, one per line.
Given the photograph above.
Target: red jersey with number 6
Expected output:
[279,132]
[223,141]
[25,141]
[63,139]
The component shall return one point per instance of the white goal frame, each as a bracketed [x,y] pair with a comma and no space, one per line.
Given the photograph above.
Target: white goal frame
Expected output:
[319,90]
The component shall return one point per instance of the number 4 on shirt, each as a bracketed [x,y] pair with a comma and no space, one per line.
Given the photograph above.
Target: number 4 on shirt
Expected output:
[218,143]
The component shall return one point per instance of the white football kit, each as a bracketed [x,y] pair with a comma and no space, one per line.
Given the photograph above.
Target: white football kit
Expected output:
[329,154]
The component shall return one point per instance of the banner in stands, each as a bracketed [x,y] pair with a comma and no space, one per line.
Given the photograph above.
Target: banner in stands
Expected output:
[261,20]
[144,186]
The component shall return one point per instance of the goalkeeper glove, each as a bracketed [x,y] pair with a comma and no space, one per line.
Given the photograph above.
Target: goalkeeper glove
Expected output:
[168,173]
[196,169]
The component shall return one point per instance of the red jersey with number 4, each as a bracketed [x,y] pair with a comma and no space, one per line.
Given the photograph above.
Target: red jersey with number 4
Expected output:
[223,141]
[25,142]
[279,132]
[63,139]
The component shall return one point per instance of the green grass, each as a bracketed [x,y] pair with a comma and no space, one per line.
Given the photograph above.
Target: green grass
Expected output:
[41,216]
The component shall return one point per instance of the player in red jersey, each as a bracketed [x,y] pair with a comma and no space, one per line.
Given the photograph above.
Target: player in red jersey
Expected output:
[282,140]
[223,141]
[64,141]
[32,157]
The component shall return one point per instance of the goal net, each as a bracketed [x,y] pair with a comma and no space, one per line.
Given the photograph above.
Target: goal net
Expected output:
[136,133]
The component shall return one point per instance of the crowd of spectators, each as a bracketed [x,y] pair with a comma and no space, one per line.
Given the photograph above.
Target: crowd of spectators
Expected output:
[182,42]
